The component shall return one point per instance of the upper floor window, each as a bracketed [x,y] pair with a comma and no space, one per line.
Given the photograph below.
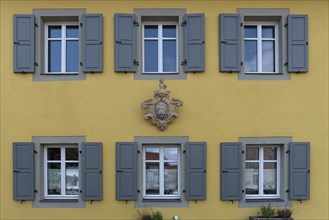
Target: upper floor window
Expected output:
[62,48]
[261,47]
[161,172]
[160,48]
[61,172]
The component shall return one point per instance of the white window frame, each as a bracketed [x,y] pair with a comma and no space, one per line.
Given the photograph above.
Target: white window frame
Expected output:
[161,172]
[259,40]
[63,162]
[160,40]
[261,162]
[63,40]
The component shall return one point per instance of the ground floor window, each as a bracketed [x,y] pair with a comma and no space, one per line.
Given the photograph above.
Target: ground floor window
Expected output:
[262,171]
[61,171]
[161,172]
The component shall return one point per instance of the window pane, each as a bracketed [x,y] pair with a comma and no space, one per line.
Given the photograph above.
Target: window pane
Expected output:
[250,31]
[151,31]
[152,178]
[270,174]
[54,31]
[270,153]
[54,178]
[54,56]
[72,31]
[72,178]
[268,32]
[72,56]
[252,178]
[250,56]
[268,56]
[169,56]
[54,154]
[71,154]
[170,153]
[252,153]
[169,30]
[170,178]
[151,56]
[152,153]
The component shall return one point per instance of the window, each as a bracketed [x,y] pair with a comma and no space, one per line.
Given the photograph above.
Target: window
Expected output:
[61,172]
[261,48]
[161,172]
[262,172]
[62,48]
[255,44]
[58,45]
[159,43]
[160,47]
[154,171]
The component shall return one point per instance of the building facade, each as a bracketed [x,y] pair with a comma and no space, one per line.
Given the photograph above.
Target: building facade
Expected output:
[236,93]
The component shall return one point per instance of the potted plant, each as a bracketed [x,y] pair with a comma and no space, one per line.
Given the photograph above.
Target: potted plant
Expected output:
[147,214]
[270,213]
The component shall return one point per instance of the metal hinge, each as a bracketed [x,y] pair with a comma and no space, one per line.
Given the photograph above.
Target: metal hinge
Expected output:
[80,24]
[241,24]
[136,63]
[136,24]
[184,62]
[184,23]
[36,25]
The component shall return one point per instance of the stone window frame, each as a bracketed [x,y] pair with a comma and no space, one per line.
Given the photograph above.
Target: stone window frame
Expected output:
[262,15]
[40,201]
[157,203]
[283,201]
[54,15]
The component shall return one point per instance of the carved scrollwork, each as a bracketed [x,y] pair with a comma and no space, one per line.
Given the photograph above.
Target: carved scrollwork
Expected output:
[161,111]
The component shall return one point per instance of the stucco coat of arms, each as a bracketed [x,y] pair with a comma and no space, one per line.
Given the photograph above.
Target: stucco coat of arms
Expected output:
[161,111]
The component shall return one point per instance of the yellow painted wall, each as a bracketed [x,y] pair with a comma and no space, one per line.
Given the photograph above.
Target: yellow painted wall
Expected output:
[217,107]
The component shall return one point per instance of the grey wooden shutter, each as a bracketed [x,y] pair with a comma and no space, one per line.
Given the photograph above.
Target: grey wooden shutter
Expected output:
[23,159]
[297,43]
[194,55]
[195,170]
[230,171]
[299,171]
[126,171]
[92,170]
[92,43]
[230,42]
[23,43]
[125,43]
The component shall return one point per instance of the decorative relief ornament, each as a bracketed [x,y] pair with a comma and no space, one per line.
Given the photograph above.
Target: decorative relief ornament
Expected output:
[161,111]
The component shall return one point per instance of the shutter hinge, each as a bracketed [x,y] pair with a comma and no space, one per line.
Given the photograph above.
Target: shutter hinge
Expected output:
[288,151]
[184,151]
[15,171]
[184,23]
[241,24]
[242,191]
[35,152]
[138,151]
[243,151]
[80,24]
[287,190]
[36,25]
[184,191]
[80,151]
[36,191]
[80,63]
[136,24]
[136,63]
[80,191]
[241,63]
[286,63]
[36,64]
[286,25]
[184,62]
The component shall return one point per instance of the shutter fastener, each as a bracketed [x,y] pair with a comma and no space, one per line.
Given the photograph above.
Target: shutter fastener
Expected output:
[184,62]
[184,23]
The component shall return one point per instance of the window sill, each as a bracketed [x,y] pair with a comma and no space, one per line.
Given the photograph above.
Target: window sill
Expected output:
[59,74]
[264,74]
[264,200]
[60,200]
[161,200]
[157,74]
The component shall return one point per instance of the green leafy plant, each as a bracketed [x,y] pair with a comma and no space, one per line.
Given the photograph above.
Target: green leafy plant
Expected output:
[267,211]
[157,215]
[143,215]
[284,212]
